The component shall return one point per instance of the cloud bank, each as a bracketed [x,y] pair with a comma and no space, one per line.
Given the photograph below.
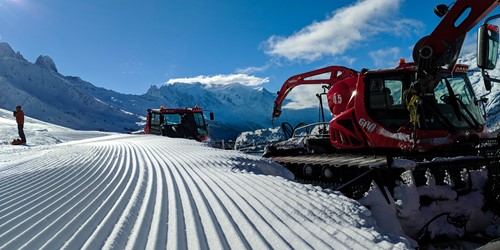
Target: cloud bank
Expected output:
[244,79]
[344,29]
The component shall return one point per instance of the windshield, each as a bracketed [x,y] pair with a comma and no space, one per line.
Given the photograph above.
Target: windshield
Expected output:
[185,125]
[200,123]
[453,104]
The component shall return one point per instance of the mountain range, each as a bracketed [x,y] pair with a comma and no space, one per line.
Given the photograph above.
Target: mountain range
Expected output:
[69,101]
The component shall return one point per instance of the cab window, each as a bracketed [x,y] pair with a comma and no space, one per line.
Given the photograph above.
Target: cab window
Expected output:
[155,119]
[198,117]
[384,100]
[172,119]
[385,93]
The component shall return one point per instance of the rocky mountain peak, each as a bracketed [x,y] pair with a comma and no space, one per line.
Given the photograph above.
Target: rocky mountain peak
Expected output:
[46,62]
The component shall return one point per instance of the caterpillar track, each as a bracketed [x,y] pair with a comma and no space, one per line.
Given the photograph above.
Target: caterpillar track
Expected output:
[354,173]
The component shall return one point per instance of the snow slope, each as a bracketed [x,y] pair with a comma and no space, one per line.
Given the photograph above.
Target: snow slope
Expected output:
[140,191]
[39,132]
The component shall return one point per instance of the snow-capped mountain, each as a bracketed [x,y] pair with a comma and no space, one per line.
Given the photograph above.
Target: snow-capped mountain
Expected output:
[71,102]
[49,96]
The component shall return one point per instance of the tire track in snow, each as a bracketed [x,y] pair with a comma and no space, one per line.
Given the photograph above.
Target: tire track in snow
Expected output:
[287,207]
[59,201]
[74,205]
[258,208]
[292,214]
[276,207]
[88,200]
[26,181]
[174,168]
[147,232]
[29,206]
[176,232]
[298,207]
[259,214]
[188,217]
[252,217]
[216,215]
[103,208]
[21,187]
[205,226]
[132,196]
[237,223]
[75,196]
[143,192]
[335,218]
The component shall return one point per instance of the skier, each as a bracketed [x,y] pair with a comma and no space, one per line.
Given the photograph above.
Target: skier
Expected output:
[19,114]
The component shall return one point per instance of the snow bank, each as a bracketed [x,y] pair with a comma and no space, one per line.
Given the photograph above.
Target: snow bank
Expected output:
[258,139]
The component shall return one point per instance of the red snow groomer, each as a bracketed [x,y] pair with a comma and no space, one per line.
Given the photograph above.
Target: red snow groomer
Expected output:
[425,113]
[186,123]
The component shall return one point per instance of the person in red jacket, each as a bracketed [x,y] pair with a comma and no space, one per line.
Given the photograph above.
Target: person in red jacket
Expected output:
[19,114]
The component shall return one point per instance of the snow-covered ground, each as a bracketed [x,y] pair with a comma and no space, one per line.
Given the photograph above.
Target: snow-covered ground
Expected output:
[255,141]
[39,132]
[77,189]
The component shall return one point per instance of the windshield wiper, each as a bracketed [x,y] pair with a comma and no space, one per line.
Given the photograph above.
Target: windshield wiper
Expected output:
[455,102]
[476,124]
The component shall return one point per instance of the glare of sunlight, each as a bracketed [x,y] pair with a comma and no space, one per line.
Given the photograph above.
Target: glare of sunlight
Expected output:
[14,3]
[22,8]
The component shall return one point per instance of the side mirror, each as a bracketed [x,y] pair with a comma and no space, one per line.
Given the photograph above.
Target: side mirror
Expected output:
[211,116]
[487,46]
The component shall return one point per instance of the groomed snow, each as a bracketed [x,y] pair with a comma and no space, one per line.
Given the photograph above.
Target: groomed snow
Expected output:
[139,191]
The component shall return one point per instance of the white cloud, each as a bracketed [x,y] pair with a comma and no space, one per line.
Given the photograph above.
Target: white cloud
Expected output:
[345,28]
[349,60]
[385,57]
[304,96]
[222,79]
[248,70]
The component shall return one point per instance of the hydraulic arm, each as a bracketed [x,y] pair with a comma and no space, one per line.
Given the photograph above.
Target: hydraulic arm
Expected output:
[443,45]
[328,75]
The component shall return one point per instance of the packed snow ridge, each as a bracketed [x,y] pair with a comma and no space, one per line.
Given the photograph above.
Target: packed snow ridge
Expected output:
[150,192]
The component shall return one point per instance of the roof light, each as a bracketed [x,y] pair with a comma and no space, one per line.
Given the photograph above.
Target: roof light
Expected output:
[441,10]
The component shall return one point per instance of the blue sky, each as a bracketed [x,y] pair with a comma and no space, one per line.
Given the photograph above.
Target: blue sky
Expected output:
[129,45]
